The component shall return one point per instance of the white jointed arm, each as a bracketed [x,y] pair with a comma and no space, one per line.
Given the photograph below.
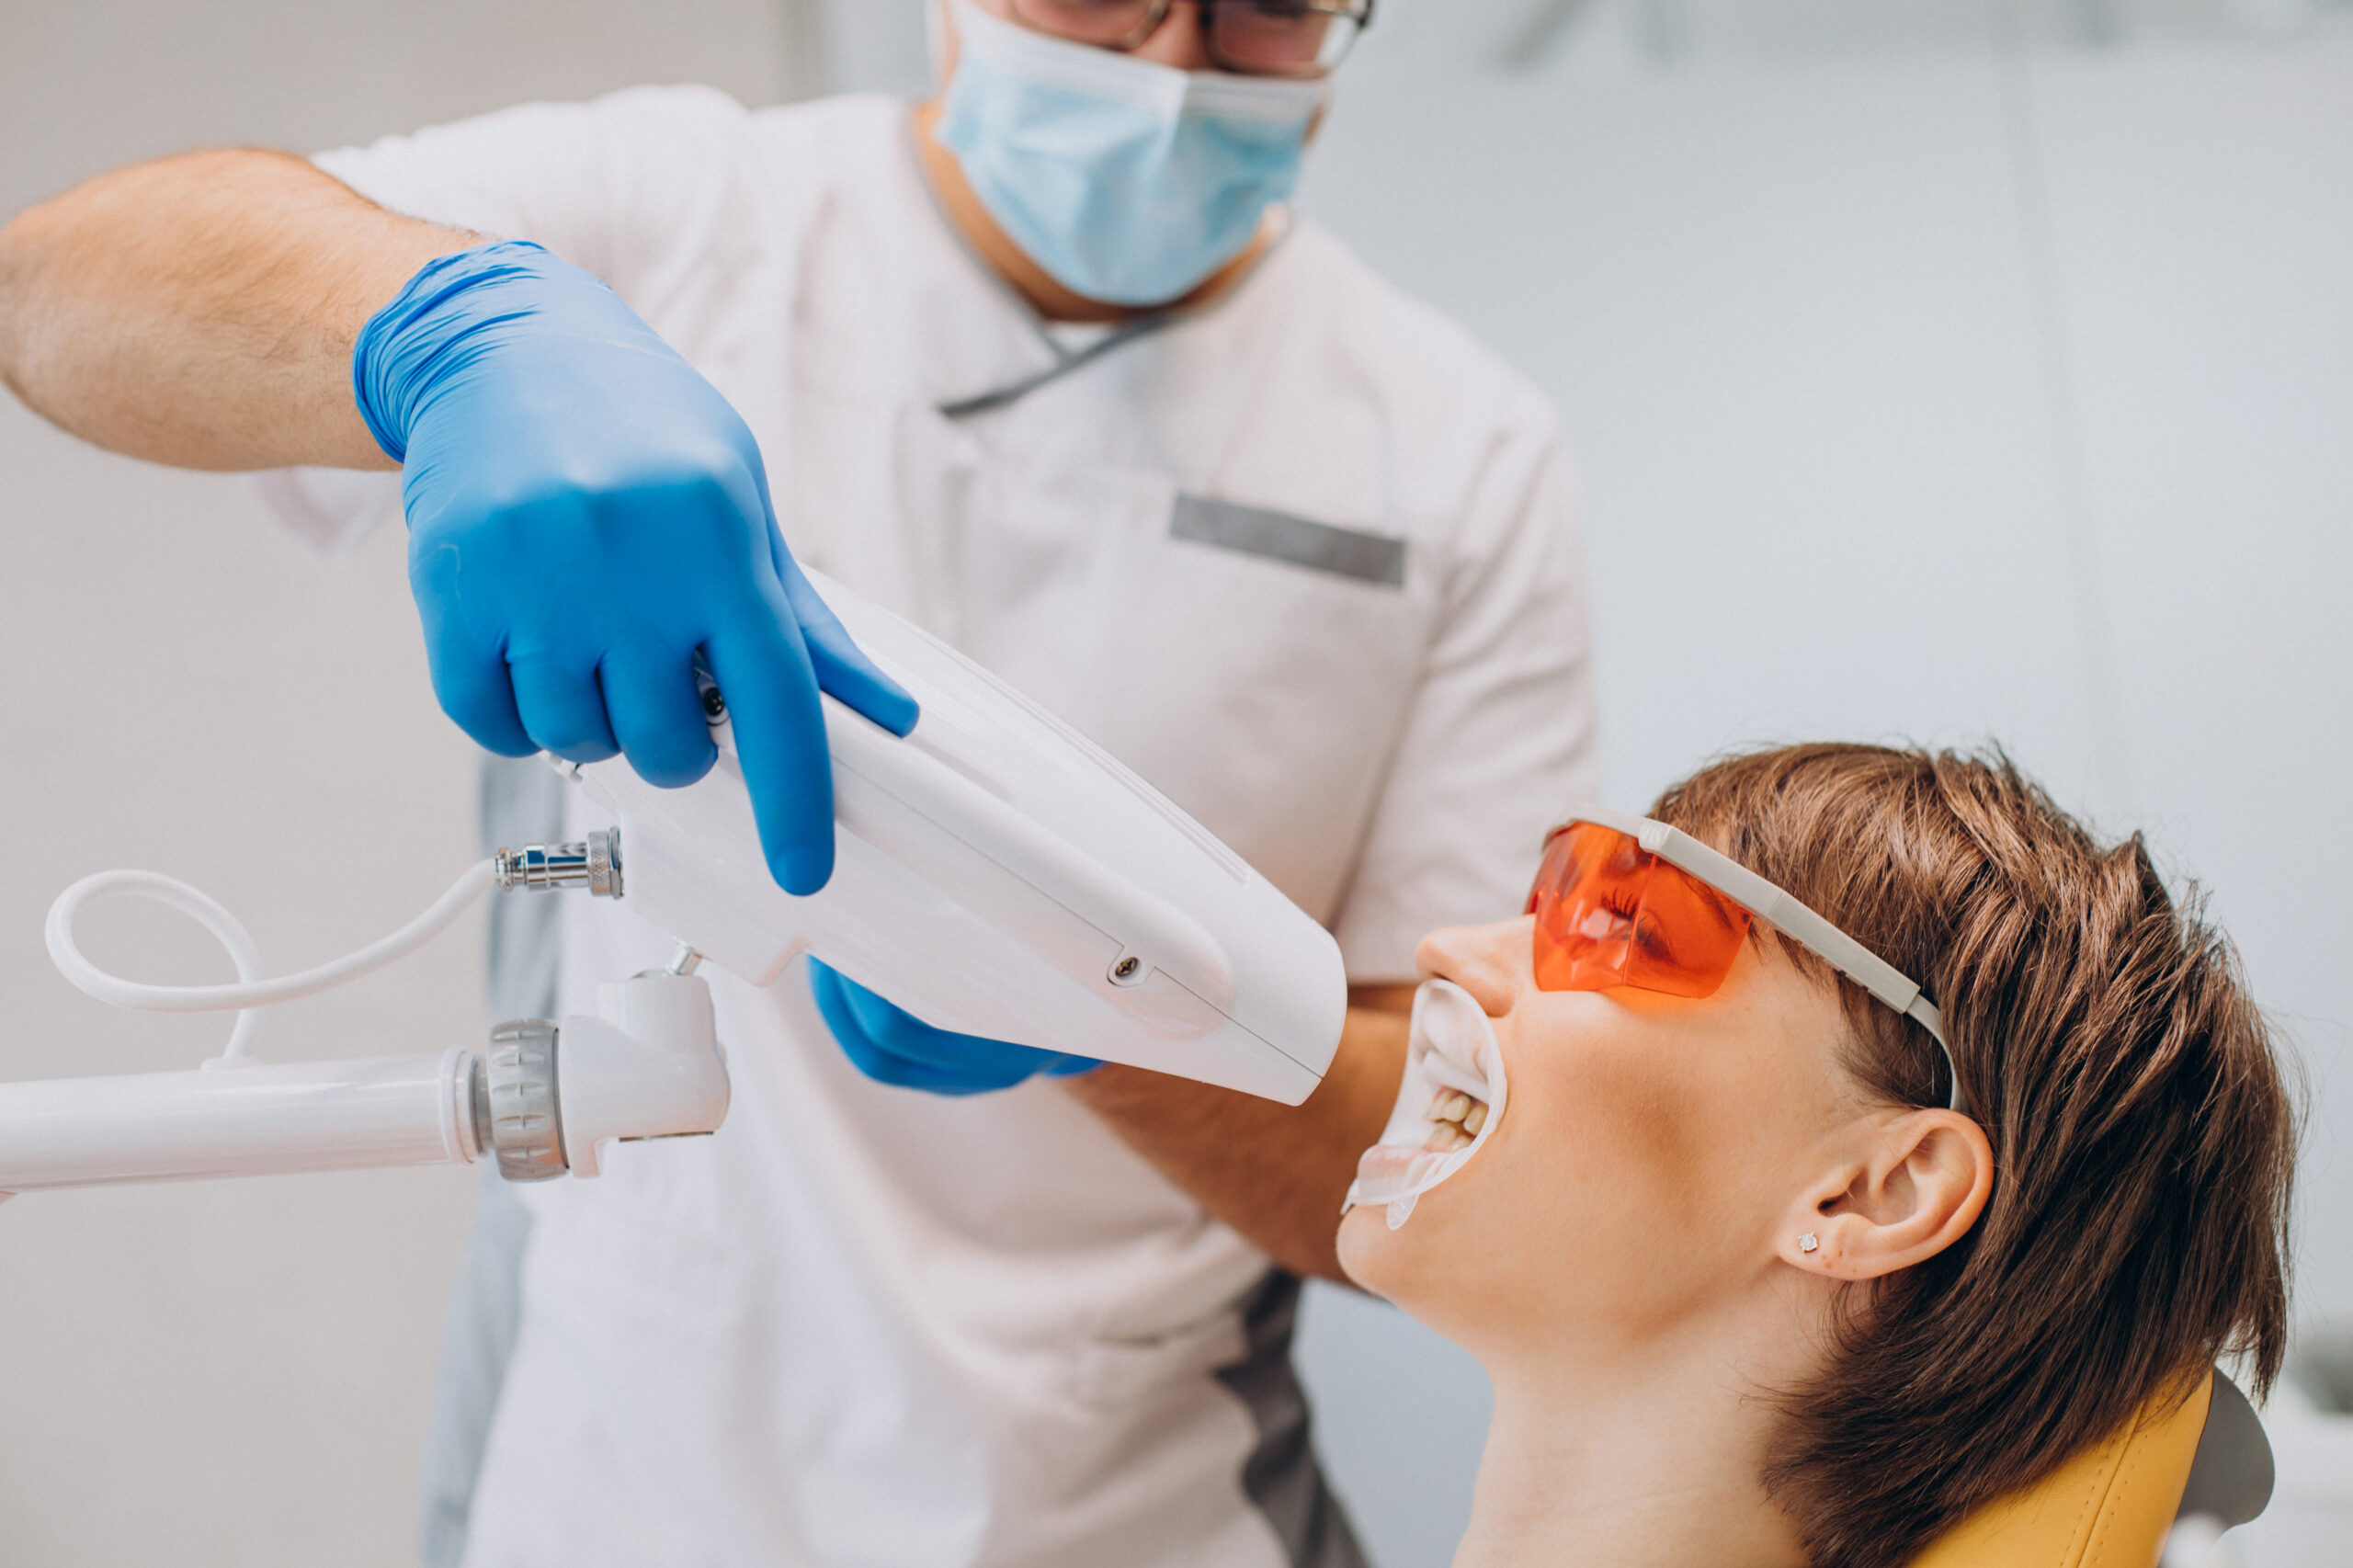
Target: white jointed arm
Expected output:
[540,1099]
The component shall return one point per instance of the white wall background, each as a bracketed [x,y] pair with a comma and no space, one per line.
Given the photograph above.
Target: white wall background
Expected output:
[1946,395]
[1985,371]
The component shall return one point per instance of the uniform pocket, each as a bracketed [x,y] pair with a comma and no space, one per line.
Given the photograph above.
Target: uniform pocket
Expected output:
[1125,1371]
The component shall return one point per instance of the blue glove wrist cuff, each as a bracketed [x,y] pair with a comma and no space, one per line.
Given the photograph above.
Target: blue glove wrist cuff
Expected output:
[430,330]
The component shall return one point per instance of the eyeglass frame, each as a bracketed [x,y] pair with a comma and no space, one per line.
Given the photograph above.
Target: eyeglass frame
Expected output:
[1765,901]
[1156,13]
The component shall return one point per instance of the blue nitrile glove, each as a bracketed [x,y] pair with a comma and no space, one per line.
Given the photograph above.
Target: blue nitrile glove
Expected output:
[587,516]
[893,1046]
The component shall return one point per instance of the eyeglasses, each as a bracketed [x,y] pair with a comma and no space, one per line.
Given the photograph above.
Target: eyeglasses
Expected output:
[1622,900]
[1251,38]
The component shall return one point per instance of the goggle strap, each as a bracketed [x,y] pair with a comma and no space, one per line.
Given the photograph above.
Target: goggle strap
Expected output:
[1924,1012]
[1786,914]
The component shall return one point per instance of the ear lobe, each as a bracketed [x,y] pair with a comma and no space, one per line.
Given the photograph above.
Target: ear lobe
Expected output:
[1918,1182]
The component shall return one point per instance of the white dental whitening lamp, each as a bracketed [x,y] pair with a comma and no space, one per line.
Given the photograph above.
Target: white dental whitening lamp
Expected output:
[996,874]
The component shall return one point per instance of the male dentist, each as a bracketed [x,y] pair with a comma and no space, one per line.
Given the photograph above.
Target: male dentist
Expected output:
[1047,365]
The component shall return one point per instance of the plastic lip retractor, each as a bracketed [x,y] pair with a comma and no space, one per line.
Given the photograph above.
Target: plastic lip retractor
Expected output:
[1450,1050]
[542,1099]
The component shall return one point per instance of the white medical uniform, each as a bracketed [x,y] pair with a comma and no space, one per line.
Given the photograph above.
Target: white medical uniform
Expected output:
[1305,560]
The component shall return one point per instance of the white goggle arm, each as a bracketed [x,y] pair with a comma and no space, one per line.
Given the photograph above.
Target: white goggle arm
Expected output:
[1787,917]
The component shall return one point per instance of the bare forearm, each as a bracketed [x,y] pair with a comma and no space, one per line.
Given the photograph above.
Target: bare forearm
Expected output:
[1274,1173]
[199,311]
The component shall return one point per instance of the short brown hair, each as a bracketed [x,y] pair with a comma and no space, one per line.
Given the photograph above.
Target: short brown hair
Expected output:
[2144,1133]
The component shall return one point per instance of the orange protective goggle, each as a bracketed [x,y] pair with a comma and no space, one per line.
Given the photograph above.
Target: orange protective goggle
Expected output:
[1610,913]
[1626,901]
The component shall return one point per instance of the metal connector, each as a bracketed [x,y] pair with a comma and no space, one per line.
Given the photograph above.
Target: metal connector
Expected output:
[594,864]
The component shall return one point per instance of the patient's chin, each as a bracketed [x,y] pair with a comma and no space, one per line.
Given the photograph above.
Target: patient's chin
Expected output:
[1407,1265]
[1363,1257]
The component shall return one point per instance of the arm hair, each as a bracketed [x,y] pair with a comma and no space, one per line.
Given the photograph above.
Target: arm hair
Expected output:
[199,310]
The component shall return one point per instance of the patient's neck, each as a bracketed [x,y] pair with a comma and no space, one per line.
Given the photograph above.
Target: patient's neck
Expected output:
[1648,1457]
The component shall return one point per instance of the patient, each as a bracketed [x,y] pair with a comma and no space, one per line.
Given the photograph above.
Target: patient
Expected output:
[1750,1287]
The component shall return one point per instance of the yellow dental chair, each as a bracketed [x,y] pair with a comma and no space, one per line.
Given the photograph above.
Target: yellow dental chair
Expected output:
[2111,1506]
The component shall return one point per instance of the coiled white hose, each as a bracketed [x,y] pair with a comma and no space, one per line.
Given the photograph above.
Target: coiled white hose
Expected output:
[252,990]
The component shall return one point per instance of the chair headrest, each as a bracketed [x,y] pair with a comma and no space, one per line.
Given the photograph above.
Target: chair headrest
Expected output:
[2112,1504]
[2232,1474]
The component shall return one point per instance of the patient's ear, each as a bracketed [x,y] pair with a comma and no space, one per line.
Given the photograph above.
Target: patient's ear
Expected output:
[1904,1186]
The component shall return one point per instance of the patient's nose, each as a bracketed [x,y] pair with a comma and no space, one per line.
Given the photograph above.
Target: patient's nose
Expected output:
[1492,962]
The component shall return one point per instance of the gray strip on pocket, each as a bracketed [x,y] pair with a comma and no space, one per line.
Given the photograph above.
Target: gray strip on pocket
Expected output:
[1280,536]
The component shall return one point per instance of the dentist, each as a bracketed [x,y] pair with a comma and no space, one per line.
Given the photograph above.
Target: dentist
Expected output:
[1047,365]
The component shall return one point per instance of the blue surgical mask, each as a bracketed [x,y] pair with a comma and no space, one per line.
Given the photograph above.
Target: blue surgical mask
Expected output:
[1128,181]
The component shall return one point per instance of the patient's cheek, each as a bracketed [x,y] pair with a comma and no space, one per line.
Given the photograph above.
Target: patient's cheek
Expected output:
[1625,1139]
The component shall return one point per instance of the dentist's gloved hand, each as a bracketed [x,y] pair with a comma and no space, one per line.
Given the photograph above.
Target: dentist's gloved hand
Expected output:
[893,1046]
[587,516]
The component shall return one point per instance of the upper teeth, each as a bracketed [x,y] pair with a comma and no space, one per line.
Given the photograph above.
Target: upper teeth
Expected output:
[1455,1120]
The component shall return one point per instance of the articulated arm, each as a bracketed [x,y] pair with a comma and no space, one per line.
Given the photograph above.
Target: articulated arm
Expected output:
[542,1099]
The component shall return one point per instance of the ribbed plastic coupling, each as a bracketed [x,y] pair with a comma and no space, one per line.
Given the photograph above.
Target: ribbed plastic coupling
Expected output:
[520,1093]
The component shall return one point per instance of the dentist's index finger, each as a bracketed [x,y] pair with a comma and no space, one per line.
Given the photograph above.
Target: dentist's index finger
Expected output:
[764,673]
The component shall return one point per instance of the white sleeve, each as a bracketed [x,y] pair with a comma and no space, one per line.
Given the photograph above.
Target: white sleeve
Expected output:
[333,510]
[1501,736]
[634,187]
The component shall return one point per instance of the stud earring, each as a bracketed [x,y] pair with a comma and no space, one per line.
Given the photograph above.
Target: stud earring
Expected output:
[1808,1242]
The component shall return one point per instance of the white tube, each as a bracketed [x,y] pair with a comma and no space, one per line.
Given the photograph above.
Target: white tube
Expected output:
[300,1116]
[251,990]
[226,928]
